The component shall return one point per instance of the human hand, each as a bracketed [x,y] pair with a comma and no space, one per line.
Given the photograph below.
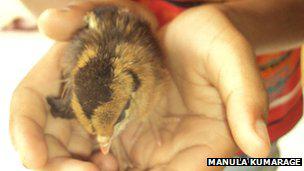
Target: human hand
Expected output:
[43,142]
[214,68]
[181,146]
[216,91]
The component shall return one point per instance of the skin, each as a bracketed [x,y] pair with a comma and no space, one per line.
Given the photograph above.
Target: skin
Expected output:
[211,92]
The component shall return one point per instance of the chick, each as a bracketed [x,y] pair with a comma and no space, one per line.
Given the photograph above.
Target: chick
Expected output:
[112,72]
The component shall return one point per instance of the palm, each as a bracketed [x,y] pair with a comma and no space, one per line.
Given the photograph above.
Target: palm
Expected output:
[214,82]
[56,141]
[186,142]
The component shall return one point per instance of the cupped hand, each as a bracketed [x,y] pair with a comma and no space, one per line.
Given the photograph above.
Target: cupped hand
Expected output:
[45,142]
[216,93]
[214,68]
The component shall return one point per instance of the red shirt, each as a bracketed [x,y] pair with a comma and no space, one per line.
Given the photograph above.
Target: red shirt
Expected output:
[280,72]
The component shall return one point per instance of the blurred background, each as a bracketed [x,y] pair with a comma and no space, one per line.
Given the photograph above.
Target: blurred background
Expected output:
[21,46]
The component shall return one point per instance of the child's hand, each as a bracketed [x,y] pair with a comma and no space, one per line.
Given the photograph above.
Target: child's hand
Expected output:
[42,141]
[209,61]
[214,68]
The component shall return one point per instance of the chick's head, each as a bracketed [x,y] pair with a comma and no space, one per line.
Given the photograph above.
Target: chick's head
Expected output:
[109,92]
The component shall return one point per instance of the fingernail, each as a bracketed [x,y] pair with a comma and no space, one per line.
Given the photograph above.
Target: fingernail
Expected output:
[261,130]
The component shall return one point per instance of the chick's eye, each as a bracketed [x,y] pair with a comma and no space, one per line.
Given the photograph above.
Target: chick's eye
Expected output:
[122,115]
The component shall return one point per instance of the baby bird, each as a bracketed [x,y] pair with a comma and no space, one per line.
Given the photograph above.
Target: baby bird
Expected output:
[111,73]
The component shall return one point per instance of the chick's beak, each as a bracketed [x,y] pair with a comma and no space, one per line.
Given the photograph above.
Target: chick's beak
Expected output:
[105,143]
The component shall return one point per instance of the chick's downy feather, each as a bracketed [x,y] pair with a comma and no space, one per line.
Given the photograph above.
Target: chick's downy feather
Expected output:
[110,71]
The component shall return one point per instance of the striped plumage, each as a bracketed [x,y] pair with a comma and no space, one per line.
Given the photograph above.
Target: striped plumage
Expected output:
[111,72]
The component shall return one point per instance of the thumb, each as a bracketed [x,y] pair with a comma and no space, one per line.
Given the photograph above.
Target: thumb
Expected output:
[241,88]
[62,24]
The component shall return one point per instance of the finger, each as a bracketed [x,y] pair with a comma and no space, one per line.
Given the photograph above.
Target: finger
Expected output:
[59,158]
[62,24]
[58,128]
[105,162]
[80,142]
[66,164]
[28,111]
[243,94]
[55,147]
[26,127]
